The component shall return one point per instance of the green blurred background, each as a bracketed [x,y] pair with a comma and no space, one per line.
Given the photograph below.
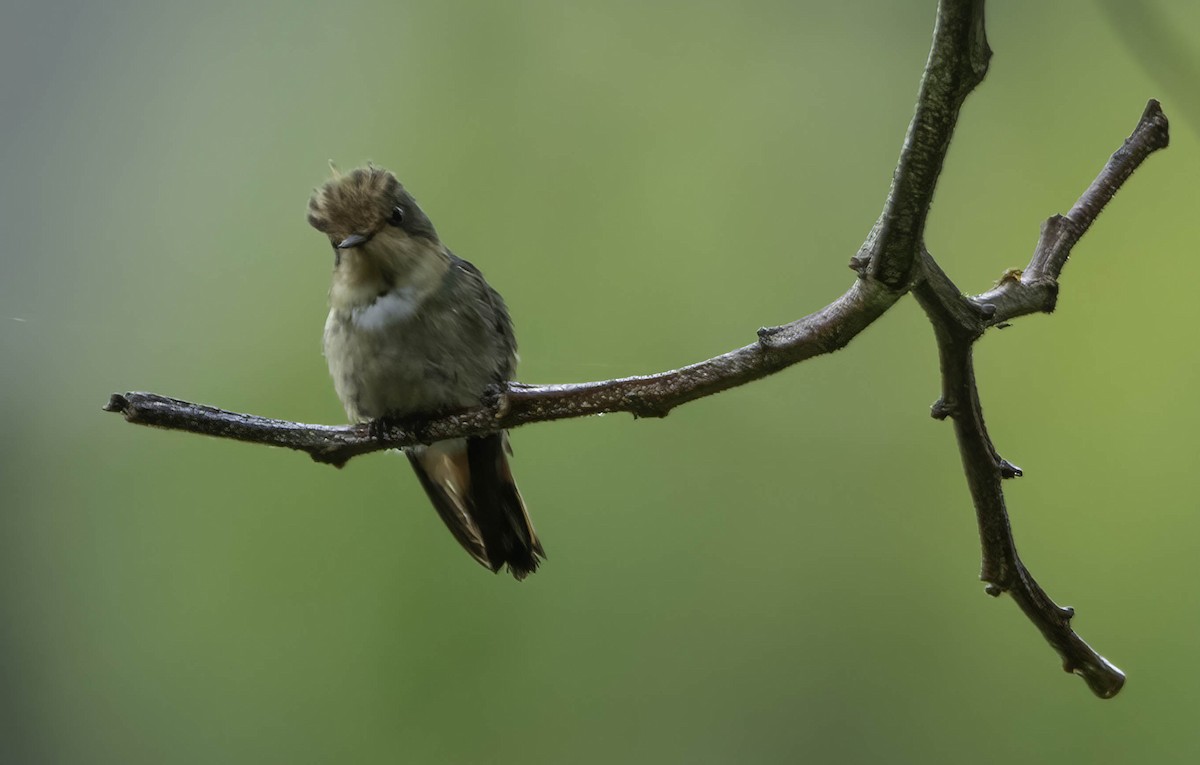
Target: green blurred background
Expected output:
[784,571]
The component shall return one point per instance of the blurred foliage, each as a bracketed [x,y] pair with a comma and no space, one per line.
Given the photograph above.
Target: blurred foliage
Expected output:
[783,571]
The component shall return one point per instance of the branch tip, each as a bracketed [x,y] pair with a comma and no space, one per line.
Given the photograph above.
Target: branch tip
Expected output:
[1009,470]
[1103,677]
[861,265]
[766,333]
[941,409]
[1156,121]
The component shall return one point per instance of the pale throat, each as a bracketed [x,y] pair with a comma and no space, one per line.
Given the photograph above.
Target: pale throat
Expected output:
[386,282]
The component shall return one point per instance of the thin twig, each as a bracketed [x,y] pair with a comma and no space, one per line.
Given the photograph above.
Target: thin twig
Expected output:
[1035,289]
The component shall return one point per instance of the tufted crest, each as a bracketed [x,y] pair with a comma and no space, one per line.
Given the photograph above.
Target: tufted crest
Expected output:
[359,201]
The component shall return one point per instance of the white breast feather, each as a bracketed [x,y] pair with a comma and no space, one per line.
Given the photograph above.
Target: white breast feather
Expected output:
[391,308]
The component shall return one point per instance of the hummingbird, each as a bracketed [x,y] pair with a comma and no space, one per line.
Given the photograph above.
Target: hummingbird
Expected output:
[413,331]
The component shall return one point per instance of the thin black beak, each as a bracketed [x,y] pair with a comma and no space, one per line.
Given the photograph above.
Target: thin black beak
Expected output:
[352,241]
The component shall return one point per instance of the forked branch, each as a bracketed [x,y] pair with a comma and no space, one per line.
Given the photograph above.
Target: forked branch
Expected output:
[958,323]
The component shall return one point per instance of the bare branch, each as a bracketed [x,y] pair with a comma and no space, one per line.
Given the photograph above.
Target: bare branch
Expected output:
[1002,568]
[958,61]
[1036,288]
[958,322]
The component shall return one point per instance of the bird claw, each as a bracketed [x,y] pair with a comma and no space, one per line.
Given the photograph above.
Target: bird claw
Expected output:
[381,428]
[495,397]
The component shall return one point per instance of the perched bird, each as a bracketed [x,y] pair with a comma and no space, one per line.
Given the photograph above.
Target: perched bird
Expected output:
[414,330]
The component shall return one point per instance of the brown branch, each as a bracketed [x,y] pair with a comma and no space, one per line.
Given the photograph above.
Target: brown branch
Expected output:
[958,323]
[958,61]
[1035,289]
[891,262]
[825,331]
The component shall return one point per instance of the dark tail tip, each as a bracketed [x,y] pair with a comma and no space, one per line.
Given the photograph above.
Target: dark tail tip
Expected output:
[524,560]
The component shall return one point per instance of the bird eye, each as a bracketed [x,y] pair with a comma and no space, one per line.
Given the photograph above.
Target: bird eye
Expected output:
[397,216]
